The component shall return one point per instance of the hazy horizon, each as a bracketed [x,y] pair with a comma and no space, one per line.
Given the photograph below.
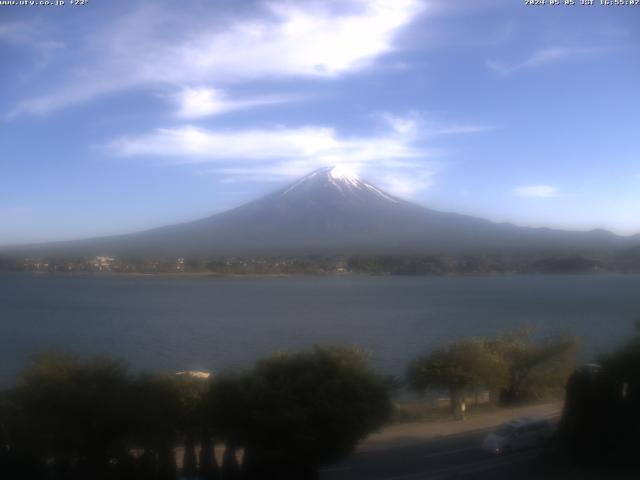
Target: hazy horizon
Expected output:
[283,187]
[120,117]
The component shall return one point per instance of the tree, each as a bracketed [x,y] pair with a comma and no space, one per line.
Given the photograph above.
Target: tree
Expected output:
[534,368]
[586,415]
[226,408]
[457,368]
[21,458]
[601,416]
[75,413]
[156,428]
[191,418]
[296,412]
[208,466]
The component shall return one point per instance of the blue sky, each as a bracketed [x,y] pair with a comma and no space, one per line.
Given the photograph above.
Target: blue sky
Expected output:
[123,115]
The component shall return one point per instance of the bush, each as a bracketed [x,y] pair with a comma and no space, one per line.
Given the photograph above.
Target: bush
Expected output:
[296,412]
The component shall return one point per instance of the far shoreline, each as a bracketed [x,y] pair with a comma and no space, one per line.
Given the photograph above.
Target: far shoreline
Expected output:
[204,275]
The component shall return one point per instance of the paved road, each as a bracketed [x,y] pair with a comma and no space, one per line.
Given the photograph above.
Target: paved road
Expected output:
[439,451]
[458,456]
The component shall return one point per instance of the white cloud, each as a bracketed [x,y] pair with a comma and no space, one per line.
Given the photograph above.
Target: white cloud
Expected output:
[190,144]
[396,158]
[405,125]
[537,191]
[540,58]
[391,159]
[201,102]
[195,102]
[314,39]
[407,185]
[308,39]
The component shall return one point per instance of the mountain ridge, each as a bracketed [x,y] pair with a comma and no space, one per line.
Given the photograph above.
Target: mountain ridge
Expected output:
[331,211]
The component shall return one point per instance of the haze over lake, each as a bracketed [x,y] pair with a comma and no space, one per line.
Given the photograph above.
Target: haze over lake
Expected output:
[165,323]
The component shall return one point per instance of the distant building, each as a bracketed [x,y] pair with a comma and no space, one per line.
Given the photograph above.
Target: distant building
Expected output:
[36,264]
[103,264]
[180,264]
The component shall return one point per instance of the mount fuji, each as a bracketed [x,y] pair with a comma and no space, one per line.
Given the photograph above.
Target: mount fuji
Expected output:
[331,211]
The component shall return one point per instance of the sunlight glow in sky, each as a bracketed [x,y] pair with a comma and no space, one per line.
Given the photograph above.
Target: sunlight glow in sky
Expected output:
[120,116]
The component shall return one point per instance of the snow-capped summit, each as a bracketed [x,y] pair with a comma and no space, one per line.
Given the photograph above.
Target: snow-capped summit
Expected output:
[342,173]
[328,181]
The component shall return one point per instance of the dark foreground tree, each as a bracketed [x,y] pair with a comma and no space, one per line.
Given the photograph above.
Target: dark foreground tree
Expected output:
[601,417]
[191,420]
[156,429]
[68,419]
[74,416]
[208,466]
[21,456]
[296,412]
[459,369]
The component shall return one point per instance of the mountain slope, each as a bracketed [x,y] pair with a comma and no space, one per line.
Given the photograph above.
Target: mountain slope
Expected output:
[330,211]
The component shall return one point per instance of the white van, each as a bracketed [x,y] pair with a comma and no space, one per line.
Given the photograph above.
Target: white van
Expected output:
[518,434]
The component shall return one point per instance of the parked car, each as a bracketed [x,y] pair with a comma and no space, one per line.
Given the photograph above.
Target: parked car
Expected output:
[518,434]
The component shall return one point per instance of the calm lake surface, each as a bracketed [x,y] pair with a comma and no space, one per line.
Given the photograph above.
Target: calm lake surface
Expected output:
[164,323]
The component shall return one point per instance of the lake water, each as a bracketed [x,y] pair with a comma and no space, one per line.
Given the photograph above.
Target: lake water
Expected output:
[164,323]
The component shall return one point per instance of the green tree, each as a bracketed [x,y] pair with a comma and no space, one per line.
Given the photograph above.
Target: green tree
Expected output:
[296,412]
[457,368]
[535,368]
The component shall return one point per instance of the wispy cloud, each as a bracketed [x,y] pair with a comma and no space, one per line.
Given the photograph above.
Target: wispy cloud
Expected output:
[19,33]
[536,191]
[66,97]
[36,37]
[540,58]
[416,124]
[191,144]
[406,185]
[197,102]
[402,124]
[317,39]
[397,157]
